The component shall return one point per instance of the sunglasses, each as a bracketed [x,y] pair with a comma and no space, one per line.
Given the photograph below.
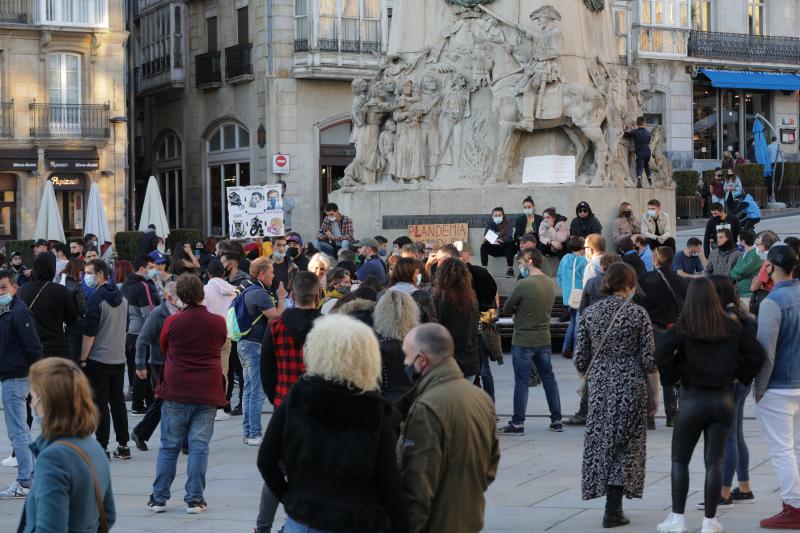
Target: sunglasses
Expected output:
[583,210]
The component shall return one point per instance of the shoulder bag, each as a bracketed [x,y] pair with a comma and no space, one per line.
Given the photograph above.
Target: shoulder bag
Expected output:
[582,377]
[46,283]
[671,291]
[575,295]
[101,511]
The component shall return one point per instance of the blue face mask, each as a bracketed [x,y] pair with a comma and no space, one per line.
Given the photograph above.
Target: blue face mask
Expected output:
[528,211]
[740,247]
[497,220]
[89,280]
[524,272]
[5,299]
[152,273]
[383,252]
[277,255]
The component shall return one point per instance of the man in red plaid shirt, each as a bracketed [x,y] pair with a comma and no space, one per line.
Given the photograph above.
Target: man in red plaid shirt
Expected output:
[335,232]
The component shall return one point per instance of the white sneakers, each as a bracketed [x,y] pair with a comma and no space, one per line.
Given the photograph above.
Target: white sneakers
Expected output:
[253,442]
[221,415]
[9,461]
[14,491]
[676,523]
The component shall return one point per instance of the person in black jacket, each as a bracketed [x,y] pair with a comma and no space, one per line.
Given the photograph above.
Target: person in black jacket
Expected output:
[706,351]
[51,305]
[719,220]
[333,435]
[662,293]
[19,349]
[627,251]
[528,222]
[71,278]
[148,241]
[584,223]
[395,315]
[641,141]
[457,310]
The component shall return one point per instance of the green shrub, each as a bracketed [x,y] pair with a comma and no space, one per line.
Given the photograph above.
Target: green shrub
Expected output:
[23,247]
[791,173]
[125,243]
[685,182]
[182,234]
[751,174]
[707,175]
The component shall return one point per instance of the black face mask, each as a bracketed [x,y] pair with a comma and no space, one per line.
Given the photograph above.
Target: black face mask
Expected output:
[291,252]
[75,254]
[228,271]
[411,372]
[627,213]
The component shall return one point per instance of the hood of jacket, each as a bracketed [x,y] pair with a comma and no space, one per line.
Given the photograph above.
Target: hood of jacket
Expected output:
[44,267]
[221,287]
[727,248]
[584,205]
[109,293]
[300,321]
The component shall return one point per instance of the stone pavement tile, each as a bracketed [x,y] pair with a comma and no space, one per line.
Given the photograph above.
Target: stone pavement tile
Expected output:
[510,518]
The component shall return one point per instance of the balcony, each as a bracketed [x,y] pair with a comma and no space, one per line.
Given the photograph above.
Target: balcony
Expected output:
[14,11]
[744,48]
[7,119]
[339,59]
[73,14]
[208,71]
[238,61]
[88,121]
[661,41]
[159,75]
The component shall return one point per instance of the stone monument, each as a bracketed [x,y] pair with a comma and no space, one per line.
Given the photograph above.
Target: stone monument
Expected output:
[469,89]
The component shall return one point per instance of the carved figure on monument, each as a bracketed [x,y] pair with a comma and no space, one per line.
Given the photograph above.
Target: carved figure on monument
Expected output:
[455,110]
[595,5]
[409,148]
[386,148]
[469,3]
[485,32]
[430,121]
[359,86]
[659,164]
[367,163]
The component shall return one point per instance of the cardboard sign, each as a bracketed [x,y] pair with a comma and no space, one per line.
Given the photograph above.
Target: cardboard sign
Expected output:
[255,211]
[552,169]
[440,234]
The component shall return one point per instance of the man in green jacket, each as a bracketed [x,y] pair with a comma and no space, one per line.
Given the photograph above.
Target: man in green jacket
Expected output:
[447,452]
[747,266]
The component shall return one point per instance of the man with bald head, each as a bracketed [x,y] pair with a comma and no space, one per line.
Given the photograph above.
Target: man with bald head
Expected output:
[448,451]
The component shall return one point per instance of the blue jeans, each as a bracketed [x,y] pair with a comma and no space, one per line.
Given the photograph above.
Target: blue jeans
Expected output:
[569,337]
[253,396]
[179,420]
[522,357]
[331,249]
[737,456]
[292,526]
[15,392]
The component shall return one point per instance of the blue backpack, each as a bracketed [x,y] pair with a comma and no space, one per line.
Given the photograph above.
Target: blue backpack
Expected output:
[238,321]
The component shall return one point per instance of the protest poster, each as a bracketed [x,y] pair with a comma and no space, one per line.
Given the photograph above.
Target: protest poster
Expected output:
[255,211]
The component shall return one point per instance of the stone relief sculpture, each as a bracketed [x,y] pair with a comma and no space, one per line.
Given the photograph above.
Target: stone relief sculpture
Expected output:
[458,110]
[659,164]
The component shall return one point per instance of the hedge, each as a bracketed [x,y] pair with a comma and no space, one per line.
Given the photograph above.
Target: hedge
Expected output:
[125,243]
[751,174]
[685,182]
[23,247]
[791,173]
[176,235]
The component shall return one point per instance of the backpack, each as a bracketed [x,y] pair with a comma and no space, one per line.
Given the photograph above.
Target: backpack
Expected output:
[238,322]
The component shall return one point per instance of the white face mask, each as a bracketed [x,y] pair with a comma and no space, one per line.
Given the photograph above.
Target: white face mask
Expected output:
[497,220]
[332,218]
[528,211]
[652,213]
[418,279]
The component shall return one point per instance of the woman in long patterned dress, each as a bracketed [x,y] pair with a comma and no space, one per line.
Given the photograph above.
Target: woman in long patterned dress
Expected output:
[618,335]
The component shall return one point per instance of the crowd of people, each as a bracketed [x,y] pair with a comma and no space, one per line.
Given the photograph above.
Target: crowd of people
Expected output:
[376,358]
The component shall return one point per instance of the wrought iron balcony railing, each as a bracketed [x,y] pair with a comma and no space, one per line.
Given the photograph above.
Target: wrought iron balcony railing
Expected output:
[207,68]
[238,60]
[70,120]
[301,45]
[14,11]
[744,48]
[7,119]
[345,46]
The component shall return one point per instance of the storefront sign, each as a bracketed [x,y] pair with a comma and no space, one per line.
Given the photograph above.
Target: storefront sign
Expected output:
[72,160]
[440,234]
[68,182]
[19,159]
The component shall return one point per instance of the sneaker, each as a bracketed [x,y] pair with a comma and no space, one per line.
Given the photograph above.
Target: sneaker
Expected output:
[255,441]
[141,445]
[723,502]
[513,429]
[651,423]
[236,411]
[138,412]
[742,497]
[14,491]
[574,420]
[788,518]
[556,427]
[122,452]
[9,461]
[675,523]
[196,507]
[711,525]
[156,507]
[510,272]
[221,415]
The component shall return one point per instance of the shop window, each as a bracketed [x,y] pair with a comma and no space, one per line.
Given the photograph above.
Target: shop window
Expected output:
[228,159]
[705,112]
[8,206]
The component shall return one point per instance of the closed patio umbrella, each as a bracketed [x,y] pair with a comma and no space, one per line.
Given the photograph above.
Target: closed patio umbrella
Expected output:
[762,152]
[153,210]
[48,225]
[96,221]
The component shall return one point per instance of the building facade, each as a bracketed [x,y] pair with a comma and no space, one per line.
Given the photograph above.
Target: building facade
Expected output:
[62,87]
[223,87]
[708,67]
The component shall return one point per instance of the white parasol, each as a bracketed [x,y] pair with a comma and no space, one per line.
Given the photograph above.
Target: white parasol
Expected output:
[48,225]
[96,221]
[153,210]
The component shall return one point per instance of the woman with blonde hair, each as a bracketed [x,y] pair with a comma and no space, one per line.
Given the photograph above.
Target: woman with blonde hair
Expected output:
[72,489]
[319,264]
[625,225]
[334,436]
[395,315]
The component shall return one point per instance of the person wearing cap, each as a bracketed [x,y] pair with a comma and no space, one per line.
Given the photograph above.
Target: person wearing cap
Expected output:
[372,265]
[15,265]
[294,250]
[39,246]
[160,261]
[777,387]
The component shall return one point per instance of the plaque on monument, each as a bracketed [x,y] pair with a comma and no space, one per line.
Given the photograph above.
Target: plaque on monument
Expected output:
[552,169]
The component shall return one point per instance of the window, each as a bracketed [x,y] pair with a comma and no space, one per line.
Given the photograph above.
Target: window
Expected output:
[621,32]
[89,13]
[301,28]
[159,35]
[757,17]
[664,23]
[352,26]
[701,15]
[8,206]
[228,158]
[64,91]
[705,115]
[211,34]
[654,109]
[243,25]
[169,167]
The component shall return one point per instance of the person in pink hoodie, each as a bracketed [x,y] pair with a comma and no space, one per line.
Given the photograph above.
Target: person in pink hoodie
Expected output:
[218,297]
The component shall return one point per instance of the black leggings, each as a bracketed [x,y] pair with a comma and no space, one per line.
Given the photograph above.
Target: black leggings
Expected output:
[708,411]
[506,249]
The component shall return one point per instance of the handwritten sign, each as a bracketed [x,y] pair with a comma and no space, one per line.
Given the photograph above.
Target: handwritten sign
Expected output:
[553,169]
[440,234]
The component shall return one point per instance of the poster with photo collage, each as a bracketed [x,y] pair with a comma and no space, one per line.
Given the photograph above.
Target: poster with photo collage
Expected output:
[255,211]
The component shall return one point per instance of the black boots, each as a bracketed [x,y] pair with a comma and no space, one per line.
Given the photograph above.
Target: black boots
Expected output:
[614,516]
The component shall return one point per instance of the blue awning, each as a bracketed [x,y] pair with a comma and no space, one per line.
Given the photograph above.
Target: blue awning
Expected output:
[740,79]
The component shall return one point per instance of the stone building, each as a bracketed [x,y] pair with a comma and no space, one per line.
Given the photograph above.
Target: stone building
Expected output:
[62,88]
[222,87]
[708,66]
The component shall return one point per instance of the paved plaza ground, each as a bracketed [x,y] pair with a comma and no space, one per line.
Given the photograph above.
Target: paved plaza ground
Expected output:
[537,487]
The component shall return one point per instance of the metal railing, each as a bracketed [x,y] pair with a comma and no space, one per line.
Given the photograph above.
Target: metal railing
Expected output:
[744,48]
[156,79]
[301,45]
[207,68]
[14,11]
[70,120]
[345,46]
[7,119]
[238,60]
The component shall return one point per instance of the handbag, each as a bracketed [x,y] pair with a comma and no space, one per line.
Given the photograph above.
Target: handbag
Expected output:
[575,295]
[491,340]
[756,299]
[582,377]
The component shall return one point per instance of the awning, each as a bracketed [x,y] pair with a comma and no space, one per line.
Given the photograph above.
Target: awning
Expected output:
[72,159]
[19,159]
[741,79]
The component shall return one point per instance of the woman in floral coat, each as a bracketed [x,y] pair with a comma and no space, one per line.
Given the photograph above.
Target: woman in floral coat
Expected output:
[619,336]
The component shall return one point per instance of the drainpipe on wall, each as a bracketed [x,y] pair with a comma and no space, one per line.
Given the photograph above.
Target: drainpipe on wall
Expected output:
[270,104]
